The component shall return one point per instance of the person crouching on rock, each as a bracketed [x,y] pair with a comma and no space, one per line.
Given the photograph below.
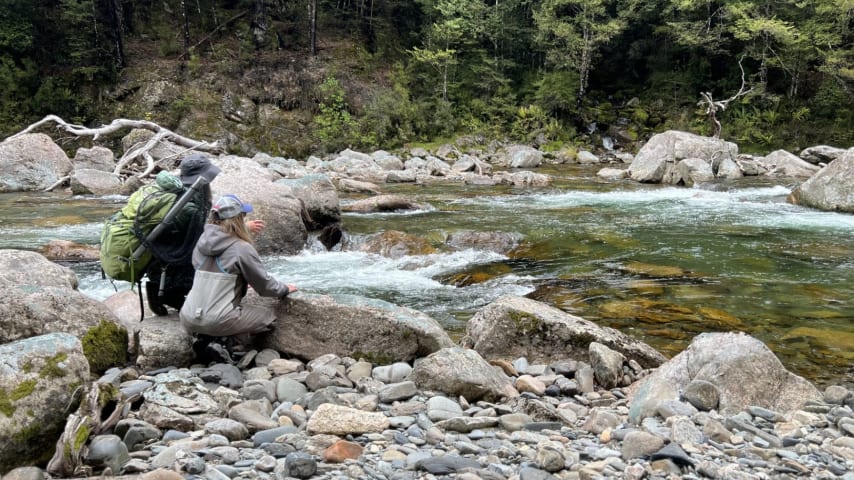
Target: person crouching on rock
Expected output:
[226,265]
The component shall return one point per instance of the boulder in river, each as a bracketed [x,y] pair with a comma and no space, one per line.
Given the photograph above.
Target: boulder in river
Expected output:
[31,162]
[830,189]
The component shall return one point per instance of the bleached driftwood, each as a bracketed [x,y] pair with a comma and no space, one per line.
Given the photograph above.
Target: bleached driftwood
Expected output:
[99,411]
[118,124]
[713,106]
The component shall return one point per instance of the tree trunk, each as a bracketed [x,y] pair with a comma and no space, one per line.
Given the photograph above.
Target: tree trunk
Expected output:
[259,23]
[312,26]
[185,28]
[584,68]
[116,19]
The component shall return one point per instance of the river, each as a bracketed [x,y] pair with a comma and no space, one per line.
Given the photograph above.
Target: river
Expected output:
[660,263]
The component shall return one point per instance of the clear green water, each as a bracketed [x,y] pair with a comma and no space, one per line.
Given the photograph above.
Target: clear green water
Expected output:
[659,263]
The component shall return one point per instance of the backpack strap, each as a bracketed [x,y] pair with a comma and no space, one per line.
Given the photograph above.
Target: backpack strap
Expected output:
[141,305]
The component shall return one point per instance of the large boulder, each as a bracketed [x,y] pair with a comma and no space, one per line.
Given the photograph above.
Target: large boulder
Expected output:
[96,158]
[31,162]
[38,379]
[162,151]
[821,154]
[513,327]
[87,181]
[310,325]
[462,372]
[781,163]
[19,266]
[744,371]
[41,297]
[395,244]
[656,161]
[319,196]
[275,203]
[830,189]
[518,156]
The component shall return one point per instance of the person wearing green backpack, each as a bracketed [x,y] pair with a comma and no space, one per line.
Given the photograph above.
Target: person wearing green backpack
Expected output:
[170,272]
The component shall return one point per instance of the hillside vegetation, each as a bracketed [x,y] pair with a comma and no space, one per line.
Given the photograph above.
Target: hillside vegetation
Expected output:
[306,77]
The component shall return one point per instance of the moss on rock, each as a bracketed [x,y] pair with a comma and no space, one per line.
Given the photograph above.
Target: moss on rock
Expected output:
[51,368]
[524,321]
[105,346]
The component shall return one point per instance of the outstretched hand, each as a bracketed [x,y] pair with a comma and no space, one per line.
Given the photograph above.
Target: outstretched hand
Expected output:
[255,226]
[291,289]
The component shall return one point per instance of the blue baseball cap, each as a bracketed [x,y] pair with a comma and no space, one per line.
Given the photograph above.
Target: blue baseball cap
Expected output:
[228,206]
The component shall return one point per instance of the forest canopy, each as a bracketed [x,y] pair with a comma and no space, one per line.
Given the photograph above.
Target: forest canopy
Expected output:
[384,73]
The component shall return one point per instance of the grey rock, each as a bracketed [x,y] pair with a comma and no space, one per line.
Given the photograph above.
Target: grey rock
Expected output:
[300,465]
[607,365]
[354,326]
[463,372]
[25,473]
[674,453]
[288,390]
[269,435]
[107,452]
[31,422]
[231,429]
[742,368]
[702,394]
[445,465]
[670,408]
[31,162]
[520,327]
[638,444]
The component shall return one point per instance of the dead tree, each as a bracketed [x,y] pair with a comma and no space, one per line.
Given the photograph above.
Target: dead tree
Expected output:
[713,106]
[138,151]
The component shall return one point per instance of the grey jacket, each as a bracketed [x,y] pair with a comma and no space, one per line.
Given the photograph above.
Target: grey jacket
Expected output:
[225,266]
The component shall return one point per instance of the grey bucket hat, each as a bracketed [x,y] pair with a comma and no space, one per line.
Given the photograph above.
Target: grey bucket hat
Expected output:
[197,165]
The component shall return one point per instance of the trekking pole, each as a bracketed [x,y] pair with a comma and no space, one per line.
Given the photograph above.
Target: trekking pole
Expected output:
[170,215]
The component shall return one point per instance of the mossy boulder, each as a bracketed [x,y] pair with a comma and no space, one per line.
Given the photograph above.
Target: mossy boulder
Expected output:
[38,380]
[105,346]
[46,301]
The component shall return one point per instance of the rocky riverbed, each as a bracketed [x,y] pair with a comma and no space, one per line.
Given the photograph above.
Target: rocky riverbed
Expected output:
[266,417]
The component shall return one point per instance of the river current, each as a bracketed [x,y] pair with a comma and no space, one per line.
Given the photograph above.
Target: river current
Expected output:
[660,263]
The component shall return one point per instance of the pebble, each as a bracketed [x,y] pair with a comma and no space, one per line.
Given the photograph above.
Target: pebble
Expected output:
[562,427]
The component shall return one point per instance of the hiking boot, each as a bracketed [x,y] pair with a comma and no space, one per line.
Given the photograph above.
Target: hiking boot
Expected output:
[154,303]
[157,308]
[217,353]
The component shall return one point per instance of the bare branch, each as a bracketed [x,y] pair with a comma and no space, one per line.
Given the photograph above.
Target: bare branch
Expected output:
[58,183]
[118,124]
[713,106]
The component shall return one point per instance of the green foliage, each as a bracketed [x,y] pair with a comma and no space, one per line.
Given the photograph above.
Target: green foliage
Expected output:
[333,124]
[17,31]
[434,118]
[556,92]
[389,119]
[56,96]
[828,99]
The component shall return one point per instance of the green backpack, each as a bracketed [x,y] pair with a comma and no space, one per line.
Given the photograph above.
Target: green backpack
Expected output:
[124,231]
